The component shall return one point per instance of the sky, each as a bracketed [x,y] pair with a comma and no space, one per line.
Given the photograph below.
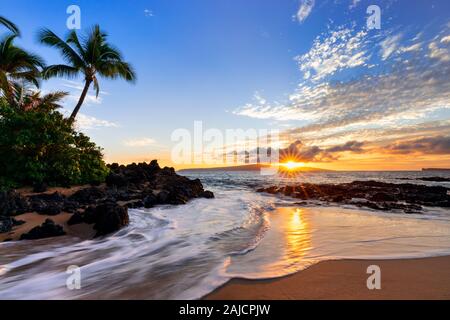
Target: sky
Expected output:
[343,96]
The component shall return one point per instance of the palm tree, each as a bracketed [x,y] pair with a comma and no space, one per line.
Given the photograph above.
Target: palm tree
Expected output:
[11,26]
[89,57]
[16,64]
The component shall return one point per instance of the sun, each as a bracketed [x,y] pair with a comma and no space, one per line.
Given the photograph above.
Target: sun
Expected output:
[292,165]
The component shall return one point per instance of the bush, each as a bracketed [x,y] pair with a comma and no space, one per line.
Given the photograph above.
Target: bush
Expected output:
[42,147]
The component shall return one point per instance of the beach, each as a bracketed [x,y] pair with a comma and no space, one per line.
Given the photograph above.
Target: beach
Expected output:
[426,278]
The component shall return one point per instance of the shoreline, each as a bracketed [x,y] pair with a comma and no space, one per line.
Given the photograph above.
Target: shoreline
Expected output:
[401,279]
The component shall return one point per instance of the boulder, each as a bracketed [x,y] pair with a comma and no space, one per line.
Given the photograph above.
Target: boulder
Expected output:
[109,217]
[88,195]
[6,224]
[106,217]
[207,194]
[47,230]
[116,180]
[13,204]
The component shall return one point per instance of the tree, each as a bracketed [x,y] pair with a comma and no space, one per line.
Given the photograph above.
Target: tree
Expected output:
[40,147]
[89,57]
[27,100]
[11,26]
[17,65]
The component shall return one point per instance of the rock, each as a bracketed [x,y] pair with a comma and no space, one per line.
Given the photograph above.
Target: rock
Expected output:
[435,179]
[338,199]
[135,204]
[76,218]
[47,230]
[47,204]
[109,217]
[207,195]
[13,204]
[51,210]
[70,206]
[381,197]
[88,195]
[150,201]
[6,224]
[163,196]
[116,180]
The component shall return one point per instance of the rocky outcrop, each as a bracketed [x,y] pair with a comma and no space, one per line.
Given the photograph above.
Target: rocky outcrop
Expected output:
[371,194]
[107,217]
[7,223]
[142,185]
[435,179]
[151,185]
[47,230]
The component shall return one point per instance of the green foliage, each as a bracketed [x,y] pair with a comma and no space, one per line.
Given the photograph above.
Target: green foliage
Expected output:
[39,146]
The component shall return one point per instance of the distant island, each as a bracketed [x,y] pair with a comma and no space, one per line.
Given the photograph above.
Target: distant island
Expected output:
[252,167]
[436,169]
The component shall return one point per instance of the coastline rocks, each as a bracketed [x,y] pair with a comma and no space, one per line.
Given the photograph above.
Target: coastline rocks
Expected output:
[434,179]
[12,204]
[107,218]
[207,195]
[152,185]
[88,195]
[371,194]
[47,230]
[106,205]
[7,223]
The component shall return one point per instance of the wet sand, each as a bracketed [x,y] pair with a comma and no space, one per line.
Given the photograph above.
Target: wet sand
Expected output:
[426,278]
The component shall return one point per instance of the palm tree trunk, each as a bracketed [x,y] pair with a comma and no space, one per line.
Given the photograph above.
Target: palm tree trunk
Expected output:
[80,101]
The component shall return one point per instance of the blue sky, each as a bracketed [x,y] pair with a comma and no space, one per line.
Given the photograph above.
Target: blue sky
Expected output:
[261,64]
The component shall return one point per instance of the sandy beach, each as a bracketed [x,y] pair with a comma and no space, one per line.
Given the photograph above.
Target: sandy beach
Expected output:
[426,278]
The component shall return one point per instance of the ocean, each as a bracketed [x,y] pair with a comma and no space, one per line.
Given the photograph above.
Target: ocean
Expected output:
[185,252]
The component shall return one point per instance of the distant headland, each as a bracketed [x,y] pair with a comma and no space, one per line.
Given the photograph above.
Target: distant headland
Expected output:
[251,167]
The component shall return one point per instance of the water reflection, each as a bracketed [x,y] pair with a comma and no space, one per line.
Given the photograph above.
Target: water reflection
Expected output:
[297,235]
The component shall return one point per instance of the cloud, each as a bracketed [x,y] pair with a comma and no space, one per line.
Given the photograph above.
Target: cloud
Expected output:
[439,53]
[389,46]
[304,10]
[426,145]
[140,142]
[413,47]
[78,87]
[403,90]
[353,146]
[300,152]
[354,3]
[148,13]
[445,39]
[341,49]
[85,122]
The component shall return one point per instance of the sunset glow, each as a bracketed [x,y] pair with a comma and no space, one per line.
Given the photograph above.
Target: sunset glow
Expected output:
[292,165]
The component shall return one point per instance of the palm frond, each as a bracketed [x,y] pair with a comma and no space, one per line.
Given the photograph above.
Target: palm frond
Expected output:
[49,38]
[72,38]
[60,70]
[96,87]
[11,26]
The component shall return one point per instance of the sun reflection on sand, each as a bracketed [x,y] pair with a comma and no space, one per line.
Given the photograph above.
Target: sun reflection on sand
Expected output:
[298,234]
